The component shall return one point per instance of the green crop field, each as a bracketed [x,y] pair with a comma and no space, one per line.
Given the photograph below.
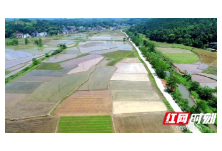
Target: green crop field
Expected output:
[185,58]
[116,56]
[132,55]
[49,66]
[85,124]
[211,70]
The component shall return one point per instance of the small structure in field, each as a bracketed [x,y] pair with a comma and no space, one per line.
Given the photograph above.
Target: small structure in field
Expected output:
[19,35]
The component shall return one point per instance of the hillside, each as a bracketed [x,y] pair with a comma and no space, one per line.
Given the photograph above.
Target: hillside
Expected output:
[196,32]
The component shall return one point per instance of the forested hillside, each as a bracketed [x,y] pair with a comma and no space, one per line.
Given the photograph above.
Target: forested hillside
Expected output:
[196,32]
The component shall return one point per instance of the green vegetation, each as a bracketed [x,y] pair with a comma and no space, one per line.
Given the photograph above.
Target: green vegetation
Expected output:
[55,26]
[76,44]
[35,61]
[20,73]
[206,101]
[61,48]
[172,82]
[85,124]
[183,57]
[12,43]
[211,70]
[7,72]
[27,41]
[38,42]
[49,66]
[116,56]
[196,32]
[132,55]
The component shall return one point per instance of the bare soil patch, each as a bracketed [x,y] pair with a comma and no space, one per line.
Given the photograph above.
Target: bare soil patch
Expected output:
[83,103]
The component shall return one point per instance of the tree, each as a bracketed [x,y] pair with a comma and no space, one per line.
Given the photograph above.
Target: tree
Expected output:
[26,41]
[194,86]
[151,46]
[172,82]
[47,55]
[35,61]
[62,46]
[36,42]
[205,93]
[40,42]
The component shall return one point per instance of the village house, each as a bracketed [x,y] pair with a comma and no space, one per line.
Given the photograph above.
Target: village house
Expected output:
[26,36]
[112,28]
[42,34]
[65,31]
[34,34]
[19,35]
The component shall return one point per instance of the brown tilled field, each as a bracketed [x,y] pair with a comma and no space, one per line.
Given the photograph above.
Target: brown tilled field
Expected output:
[151,122]
[207,57]
[86,103]
[34,125]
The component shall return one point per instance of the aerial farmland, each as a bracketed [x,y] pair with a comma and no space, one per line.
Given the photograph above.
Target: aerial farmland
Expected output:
[97,81]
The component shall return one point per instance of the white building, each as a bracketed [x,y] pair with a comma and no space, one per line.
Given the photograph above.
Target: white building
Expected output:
[42,34]
[26,36]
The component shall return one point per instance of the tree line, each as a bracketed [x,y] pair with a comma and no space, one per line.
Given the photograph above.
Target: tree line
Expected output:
[196,32]
[204,96]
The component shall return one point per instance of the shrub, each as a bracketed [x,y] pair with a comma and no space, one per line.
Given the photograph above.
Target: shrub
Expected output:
[35,62]
[47,55]
[205,93]
[194,86]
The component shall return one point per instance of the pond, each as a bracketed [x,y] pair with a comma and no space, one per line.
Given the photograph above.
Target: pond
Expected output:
[185,94]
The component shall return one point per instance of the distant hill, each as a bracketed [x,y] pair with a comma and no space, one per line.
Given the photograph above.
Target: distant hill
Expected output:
[197,32]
